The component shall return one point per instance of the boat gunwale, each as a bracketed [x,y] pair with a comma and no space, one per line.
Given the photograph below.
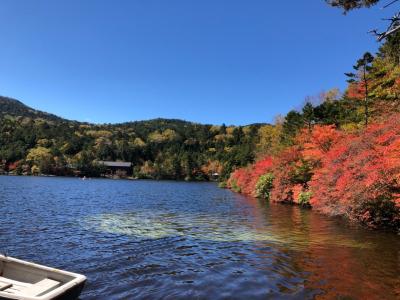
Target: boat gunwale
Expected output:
[78,279]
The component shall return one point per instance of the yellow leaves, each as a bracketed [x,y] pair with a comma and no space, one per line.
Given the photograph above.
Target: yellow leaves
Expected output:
[78,134]
[44,143]
[223,137]
[170,135]
[41,158]
[64,147]
[215,129]
[246,130]
[228,149]
[77,157]
[99,133]
[385,85]
[156,137]
[38,154]
[138,142]
[268,138]
[230,129]
[351,127]
[35,170]
[167,135]
[102,141]
[147,168]
[219,137]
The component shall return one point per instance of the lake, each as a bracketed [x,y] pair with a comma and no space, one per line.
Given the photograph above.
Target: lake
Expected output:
[177,240]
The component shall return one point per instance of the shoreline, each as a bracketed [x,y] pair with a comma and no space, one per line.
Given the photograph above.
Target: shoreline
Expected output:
[109,178]
[342,219]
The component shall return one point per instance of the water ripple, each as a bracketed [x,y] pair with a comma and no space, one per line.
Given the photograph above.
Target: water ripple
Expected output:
[171,240]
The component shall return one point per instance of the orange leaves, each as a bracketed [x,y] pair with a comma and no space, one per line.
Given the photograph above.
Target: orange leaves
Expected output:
[356,175]
[360,174]
[292,167]
[397,200]
[13,166]
[319,141]
[356,90]
[392,153]
[246,178]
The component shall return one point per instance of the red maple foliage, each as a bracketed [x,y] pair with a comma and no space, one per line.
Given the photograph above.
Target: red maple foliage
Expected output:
[285,169]
[12,166]
[293,168]
[360,176]
[356,90]
[245,179]
[317,143]
[350,174]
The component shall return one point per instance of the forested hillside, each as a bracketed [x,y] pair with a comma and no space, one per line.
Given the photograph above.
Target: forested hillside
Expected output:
[11,107]
[34,142]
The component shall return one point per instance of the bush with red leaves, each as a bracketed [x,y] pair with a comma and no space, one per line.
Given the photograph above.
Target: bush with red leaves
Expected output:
[360,177]
[354,175]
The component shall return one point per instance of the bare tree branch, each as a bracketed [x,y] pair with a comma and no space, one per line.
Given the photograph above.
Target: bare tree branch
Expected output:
[387,5]
[394,26]
[386,34]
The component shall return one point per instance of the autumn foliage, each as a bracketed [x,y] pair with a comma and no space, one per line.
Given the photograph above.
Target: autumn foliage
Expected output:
[244,180]
[356,90]
[360,176]
[356,175]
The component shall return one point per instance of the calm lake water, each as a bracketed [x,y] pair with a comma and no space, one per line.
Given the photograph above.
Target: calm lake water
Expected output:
[173,240]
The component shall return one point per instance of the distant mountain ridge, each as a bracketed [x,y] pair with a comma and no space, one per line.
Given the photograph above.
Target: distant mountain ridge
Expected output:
[15,108]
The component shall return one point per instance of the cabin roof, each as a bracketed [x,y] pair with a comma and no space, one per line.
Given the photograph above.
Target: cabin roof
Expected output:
[120,164]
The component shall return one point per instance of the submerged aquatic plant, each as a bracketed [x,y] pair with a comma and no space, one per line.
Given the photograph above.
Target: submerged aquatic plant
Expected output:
[216,228]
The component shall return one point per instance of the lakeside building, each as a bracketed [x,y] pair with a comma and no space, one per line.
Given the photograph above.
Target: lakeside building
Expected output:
[116,168]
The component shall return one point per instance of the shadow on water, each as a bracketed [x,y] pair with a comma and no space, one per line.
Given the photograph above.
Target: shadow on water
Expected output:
[171,240]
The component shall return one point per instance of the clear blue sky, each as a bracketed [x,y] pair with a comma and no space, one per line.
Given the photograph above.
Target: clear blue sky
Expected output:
[209,61]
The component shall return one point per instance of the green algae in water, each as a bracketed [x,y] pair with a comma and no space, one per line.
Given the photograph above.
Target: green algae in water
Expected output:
[157,225]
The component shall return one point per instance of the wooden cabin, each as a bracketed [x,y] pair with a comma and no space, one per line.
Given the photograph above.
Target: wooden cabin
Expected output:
[116,168]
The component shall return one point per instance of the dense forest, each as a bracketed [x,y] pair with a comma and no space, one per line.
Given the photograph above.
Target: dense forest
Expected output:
[34,142]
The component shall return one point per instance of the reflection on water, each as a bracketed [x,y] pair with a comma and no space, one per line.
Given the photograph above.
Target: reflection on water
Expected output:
[218,228]
[171,240]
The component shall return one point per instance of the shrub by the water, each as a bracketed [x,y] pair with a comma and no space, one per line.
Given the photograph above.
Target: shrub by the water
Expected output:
[234,186]
[245,179]
[304,198]
[264,186]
